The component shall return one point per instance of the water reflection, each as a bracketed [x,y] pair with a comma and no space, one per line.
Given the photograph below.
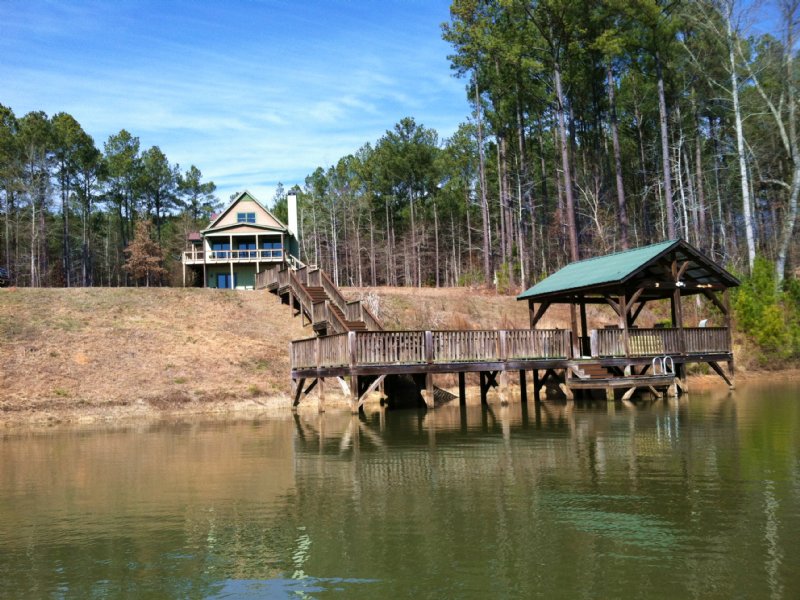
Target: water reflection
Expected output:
[696,497]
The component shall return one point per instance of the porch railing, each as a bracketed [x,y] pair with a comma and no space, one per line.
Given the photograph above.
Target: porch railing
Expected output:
[236,255]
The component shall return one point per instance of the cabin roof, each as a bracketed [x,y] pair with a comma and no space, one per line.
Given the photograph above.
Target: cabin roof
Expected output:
[647,266]
[240,196]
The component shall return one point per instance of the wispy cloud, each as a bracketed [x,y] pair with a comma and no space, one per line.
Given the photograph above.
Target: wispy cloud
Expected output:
[251,92]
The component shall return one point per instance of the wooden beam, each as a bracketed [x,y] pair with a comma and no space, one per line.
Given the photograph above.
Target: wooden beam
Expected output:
[483,386]
[537,316]
[718,370]
[537,386]
[462,389]
[370,389]
[636,312]
[682,270]
[310,387]
[523,387]
[613,304]
[716,302]
[298,391]
[321,395]
[633,299]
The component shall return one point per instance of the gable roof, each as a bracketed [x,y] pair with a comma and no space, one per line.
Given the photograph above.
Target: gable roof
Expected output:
[245,195]
[622,269]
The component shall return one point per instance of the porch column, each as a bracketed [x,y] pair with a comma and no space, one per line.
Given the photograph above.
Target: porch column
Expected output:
[573,325]
[584,329]
[232,284]
[531,313]
[677,318]
[623,324]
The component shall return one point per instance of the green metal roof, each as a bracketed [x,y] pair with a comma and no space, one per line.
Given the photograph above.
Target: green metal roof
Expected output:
[601,270]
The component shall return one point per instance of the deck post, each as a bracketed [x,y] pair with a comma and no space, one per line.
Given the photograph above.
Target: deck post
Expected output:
[623,324]
[537,387]
[523,387]
[354,394]
[354,391]
[483,386]
[429,399]
[321,382]
[503,388]
[531,313]
[462,388]
[584,330]
[573,326]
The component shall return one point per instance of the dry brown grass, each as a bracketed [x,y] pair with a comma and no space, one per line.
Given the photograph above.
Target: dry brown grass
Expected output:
[160,347]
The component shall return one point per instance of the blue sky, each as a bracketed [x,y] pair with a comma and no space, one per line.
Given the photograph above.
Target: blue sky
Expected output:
[251,92]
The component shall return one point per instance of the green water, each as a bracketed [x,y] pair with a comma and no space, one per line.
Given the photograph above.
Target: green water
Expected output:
[692,499]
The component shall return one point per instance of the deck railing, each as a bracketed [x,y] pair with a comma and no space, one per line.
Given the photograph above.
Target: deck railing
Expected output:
[706,340]
[656,342]
[233,255]
[370,320]
[420,347]
[333,292]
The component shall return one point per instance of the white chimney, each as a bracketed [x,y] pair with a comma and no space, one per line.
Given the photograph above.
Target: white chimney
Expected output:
[291,200]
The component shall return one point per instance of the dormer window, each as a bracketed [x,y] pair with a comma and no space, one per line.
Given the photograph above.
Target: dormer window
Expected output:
[246,217]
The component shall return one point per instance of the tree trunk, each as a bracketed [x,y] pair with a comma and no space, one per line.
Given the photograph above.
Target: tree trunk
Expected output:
[662,119]
[737,114]
[791,214]
[572,229]
[622,213]
[487,258]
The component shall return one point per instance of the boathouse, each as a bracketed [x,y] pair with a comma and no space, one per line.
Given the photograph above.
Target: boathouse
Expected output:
[240,241]
[626,282]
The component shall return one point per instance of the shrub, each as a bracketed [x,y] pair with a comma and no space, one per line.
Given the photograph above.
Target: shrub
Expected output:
[767,316]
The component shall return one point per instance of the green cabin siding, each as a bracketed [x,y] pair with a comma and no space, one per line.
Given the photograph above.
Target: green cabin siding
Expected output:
[245,275]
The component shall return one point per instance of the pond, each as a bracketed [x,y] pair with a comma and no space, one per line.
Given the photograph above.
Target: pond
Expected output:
[697,497]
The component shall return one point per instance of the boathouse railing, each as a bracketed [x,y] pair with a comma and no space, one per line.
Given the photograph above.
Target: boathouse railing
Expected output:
[657,342]
[420,347]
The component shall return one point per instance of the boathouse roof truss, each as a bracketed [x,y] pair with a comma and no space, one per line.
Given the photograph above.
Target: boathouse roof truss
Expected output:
[656,270]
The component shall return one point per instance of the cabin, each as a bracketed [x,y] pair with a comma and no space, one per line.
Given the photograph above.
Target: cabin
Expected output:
[242,240]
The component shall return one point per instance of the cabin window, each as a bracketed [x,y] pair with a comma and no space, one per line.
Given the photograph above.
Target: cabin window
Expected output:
[271,250]
[219,250]
[246,217]
[247,246]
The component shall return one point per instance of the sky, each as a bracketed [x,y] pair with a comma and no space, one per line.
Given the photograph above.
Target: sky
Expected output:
[251,92]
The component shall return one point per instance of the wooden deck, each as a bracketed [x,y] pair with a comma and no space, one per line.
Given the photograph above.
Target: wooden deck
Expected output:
[374,355]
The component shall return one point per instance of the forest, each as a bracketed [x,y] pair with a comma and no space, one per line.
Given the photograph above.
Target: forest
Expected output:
[595,127]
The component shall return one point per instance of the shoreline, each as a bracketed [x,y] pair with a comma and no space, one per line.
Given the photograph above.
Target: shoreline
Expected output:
[279,405]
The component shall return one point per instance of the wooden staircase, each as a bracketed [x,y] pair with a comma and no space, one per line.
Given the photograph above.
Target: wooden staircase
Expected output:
[310,291]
